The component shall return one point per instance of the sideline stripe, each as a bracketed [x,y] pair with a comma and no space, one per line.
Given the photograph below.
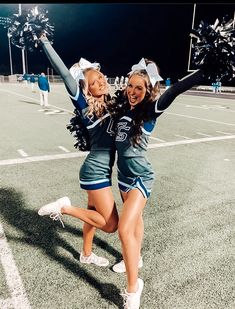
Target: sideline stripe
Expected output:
[19,299]
[83,154]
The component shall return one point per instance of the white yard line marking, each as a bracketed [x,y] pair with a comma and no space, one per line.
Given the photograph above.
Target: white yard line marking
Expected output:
[195,106]
[63,148]
[191,141]
[226,133]
[38,101]
[83,154]
[203,119]
[203,134]
[157,139]
[43,158]
[16,289]
[182,136]
[22,153]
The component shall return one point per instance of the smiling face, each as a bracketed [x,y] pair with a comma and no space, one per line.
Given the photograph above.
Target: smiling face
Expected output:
[136,90]
[97,83]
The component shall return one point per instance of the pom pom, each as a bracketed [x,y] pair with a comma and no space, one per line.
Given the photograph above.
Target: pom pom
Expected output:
[79,131]
[25,29]
[214,49]
[118,105]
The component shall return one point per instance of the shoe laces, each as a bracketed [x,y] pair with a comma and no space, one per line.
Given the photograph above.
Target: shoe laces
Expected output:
[94,258]
[56,217]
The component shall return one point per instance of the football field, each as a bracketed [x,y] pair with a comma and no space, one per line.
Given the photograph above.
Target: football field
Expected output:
[188,246]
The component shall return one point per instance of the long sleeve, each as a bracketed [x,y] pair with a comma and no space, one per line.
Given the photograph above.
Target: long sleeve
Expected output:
[181,86]
[60,67]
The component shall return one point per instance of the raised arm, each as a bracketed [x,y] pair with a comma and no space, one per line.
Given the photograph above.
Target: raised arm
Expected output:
[181,86]
[59,66]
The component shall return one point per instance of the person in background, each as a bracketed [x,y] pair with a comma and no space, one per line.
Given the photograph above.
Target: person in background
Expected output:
[44,88]
[32,81]
[168,82]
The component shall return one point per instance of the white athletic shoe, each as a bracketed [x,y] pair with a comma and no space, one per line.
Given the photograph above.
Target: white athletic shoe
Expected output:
[132,300]
[54,209]
[121,268]
[93,259]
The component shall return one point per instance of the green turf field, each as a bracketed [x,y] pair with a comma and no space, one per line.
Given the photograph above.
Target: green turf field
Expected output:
[188,247]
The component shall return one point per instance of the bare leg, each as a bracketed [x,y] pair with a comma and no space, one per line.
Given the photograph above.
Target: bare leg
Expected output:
[105,217]
[131,235]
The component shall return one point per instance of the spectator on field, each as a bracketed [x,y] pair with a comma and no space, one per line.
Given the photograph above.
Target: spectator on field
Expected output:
[44,88]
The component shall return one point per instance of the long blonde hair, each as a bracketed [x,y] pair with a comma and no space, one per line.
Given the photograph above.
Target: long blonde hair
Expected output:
[96,106]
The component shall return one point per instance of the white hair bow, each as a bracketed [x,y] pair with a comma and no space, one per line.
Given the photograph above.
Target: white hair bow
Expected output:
[151,70]
[83,64]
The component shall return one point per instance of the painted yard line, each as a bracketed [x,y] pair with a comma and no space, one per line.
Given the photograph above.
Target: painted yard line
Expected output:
[192,141]
[15,286]
[203,134]
[83,154]
[226,133]
[20,95]
[177,135]
[203,119]
[195,106]
[215,107]
[22,153]
[63,148]
[38,101]
[157,139]
[44,158]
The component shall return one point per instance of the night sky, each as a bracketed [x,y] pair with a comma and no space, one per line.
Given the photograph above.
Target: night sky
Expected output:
[117,35]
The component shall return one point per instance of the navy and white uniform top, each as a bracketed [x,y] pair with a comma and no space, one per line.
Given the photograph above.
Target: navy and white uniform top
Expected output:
[134,169]
[96,170]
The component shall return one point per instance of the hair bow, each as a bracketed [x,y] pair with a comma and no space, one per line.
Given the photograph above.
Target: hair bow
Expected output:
[77,69]
[151,70]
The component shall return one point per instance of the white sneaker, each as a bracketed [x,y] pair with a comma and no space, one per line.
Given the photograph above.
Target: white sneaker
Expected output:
[132,300]
[54,209]
[121,268]
[93,259]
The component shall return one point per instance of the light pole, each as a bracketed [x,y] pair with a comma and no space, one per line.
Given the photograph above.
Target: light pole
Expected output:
[23,49]
[9,45]
[190,47]
[5,21]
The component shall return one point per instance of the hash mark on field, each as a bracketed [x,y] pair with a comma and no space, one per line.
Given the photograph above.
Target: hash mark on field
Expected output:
[22,152]
[18,296]
[63,148]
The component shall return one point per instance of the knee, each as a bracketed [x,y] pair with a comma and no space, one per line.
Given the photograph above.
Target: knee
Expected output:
[124,231]
[111,227]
